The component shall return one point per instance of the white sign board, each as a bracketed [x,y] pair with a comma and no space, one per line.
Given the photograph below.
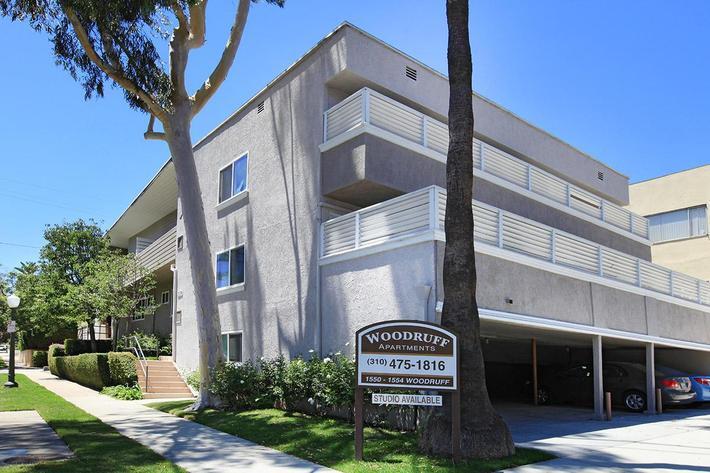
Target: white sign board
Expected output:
[406,399]
[407,354]
[11,326]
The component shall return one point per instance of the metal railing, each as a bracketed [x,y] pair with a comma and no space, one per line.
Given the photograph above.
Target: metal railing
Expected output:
[423,211]
[142,360]
[369,108]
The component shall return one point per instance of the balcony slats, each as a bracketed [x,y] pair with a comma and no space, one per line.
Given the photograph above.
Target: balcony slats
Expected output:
[160,252]
[424,210]
[367,107]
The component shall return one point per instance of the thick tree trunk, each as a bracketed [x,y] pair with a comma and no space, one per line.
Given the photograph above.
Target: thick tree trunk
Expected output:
[484,434]
[198,246]
[92,336]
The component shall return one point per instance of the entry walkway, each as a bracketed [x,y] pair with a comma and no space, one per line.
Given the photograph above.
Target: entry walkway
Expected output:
[676,441]
[193,446]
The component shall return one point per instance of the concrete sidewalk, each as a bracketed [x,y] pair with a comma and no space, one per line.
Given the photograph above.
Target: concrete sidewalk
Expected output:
[193,446]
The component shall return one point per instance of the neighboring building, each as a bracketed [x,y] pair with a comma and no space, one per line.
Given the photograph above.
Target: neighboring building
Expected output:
[677,208]
[324,202]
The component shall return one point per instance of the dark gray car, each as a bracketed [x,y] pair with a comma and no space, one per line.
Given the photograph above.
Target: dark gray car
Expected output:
[624,380]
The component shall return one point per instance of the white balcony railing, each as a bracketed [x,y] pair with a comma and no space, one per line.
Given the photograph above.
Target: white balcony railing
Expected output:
[160,252]
[423,211]
[369,108]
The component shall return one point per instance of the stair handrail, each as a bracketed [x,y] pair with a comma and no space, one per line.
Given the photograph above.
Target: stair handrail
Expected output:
[142,360]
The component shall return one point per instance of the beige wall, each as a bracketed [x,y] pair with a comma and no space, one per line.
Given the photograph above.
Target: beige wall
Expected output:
[672,192]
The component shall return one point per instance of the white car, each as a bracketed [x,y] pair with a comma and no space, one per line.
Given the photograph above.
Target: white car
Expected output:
[3,348]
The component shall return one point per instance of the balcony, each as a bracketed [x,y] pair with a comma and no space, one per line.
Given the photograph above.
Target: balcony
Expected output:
[371,112]
[419,216]
[160,252]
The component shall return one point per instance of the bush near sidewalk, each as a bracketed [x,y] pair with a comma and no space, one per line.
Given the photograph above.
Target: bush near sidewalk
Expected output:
[39,359]
[122,368]
[94,370]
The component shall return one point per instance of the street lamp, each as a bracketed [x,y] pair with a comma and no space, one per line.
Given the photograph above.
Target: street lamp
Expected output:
[13,302]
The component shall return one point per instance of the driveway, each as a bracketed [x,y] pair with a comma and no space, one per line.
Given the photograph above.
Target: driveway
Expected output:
[676,441]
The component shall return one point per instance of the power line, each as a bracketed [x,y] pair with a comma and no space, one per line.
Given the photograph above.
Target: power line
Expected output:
[18,244]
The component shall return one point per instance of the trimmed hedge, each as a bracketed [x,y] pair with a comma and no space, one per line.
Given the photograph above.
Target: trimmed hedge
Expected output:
[54,351]
[39,359]
[122,368]
[88,369]
[74,347]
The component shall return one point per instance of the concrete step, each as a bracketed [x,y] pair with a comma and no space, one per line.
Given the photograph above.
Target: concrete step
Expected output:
[166,395]
[152,384]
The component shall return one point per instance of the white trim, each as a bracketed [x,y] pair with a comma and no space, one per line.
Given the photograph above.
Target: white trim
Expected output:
[419,149]
[485,248]
[237,287]
[233,332]
[228,201]
[232,200]
[399,242]
[162,297]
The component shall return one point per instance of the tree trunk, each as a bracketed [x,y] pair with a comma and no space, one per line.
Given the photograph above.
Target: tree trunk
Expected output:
[484,434]
[198,246]
[92,336]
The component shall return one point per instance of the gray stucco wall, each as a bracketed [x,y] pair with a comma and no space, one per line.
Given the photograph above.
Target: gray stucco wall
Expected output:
[382,68]
[382,286]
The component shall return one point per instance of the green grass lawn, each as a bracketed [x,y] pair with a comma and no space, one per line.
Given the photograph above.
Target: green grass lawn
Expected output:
[330,442]
[97,447]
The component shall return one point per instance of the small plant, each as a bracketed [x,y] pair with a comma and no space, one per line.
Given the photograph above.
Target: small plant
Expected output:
[2,364]
[124,392]
[39,358]
[193,380]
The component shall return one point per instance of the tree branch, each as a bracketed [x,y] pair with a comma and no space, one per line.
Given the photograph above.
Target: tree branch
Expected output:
[153,135]
[210,86]
[150,102]
[180,15]
[198,25]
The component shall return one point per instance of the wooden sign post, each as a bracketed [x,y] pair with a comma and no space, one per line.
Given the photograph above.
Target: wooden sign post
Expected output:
[410,355]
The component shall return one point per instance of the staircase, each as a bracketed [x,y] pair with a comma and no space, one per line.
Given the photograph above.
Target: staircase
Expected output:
[164,381]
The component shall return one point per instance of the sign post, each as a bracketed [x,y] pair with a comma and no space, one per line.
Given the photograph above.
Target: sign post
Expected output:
[409,355]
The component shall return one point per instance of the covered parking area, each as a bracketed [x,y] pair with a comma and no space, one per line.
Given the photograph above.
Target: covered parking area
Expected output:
[532,362]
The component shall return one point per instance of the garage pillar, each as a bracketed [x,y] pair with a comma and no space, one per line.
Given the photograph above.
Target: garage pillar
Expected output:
[598,377]
[651,379]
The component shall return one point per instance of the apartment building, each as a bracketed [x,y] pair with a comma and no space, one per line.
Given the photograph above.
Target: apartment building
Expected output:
[676,206]
[324,196]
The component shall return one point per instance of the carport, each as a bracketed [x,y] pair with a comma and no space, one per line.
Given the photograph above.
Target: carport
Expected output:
[529,344]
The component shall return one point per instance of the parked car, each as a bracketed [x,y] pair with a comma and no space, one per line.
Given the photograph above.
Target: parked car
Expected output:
[3,348]
[624,380]
[700,384]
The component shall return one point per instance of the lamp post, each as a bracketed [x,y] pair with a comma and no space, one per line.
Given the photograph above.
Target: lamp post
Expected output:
[13,302]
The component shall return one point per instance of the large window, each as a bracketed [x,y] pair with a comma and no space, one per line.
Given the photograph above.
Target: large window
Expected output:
[678,224]
[232,346]
[141,309]
[230,267]
[233,178]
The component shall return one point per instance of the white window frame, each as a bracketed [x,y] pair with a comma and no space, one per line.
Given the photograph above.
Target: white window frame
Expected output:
[690,225]
[234,197]
[232,332]
[163,300]
[238,287]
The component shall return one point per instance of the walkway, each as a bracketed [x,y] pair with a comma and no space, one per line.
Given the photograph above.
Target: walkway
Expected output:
[677,441]
[193,446]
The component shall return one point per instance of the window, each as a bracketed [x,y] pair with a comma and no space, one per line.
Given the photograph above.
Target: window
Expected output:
[165,297]
[678,224]
[178,317]
[141,308]
[230,267]
[179,242]
[232,346]
[233,178]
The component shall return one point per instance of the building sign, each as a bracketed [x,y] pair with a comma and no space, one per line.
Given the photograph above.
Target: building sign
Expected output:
[407,355]
[406,399]
[11,326]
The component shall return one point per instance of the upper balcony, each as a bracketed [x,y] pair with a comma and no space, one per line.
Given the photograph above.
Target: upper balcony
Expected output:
[159,253]
[370,112]
[419,216]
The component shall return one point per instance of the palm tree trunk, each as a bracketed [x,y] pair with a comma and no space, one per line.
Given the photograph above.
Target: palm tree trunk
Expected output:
[198,247]
[484,434]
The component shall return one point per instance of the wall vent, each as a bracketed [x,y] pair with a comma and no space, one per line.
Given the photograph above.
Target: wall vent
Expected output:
[600,175]
[410,72]
[260,107]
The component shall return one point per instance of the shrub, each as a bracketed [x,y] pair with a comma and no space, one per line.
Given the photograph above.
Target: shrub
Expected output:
[53,353]
[88,369]
[122,368]
[74,347]
[193,380]
[150,344]
[240,386]
[124,392]
[2,364]
[39,359]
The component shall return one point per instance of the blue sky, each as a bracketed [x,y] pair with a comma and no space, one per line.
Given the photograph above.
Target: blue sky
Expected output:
[626,82]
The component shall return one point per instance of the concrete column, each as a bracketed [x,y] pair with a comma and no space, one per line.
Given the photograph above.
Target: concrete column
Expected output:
[598,377]
[651,379]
